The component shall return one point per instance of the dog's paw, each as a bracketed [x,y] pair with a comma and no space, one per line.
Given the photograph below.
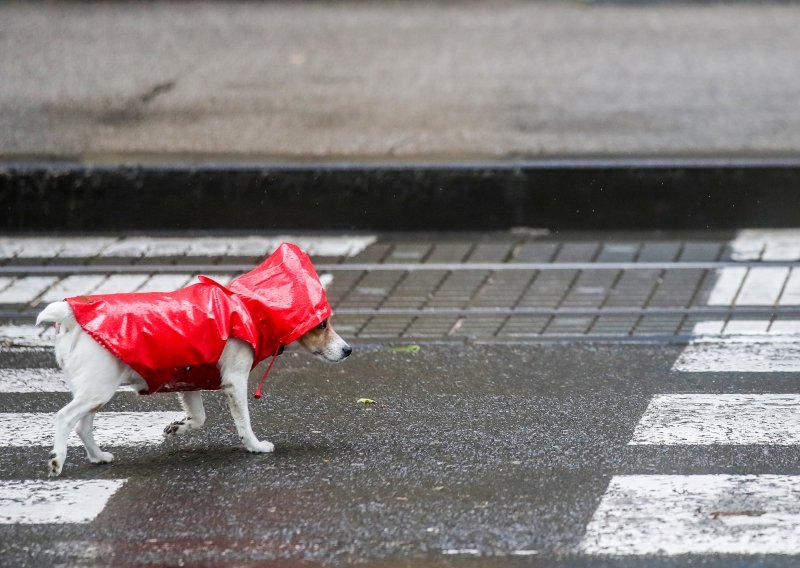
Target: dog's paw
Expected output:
[54,466]
[261,448]
[177,427]
[102,457]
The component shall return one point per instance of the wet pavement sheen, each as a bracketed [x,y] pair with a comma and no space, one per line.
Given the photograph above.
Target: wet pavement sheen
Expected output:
[481,448]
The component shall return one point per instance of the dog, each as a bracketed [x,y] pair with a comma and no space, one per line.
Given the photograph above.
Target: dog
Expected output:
[94,374]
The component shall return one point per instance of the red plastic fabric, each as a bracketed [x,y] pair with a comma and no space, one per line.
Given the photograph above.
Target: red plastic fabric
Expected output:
[174,339]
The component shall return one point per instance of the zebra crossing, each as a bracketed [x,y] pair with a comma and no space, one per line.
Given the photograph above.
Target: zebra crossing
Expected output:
[660,513]
[669,515]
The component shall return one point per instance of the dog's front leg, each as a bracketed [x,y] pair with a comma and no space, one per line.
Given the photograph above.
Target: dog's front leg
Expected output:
[235,388]
[192,403]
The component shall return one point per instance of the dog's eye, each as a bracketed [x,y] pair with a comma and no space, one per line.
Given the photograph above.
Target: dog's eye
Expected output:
[323,325]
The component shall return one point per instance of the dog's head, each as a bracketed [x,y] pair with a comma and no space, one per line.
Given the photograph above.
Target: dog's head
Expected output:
[325,343]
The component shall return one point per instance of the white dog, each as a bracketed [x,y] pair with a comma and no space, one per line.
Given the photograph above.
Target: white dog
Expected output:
[94,375]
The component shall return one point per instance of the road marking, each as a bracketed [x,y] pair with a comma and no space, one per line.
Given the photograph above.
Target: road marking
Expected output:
[37,380]
[765,353]
[24,290]
[762,287]
[121,283]
[113,429]
[696,514]
[26,336]
[165,282]
[462,551]
[766,244]
[757,286]
[791,292]
[255,246]
[32,380]
[726,287]
[72,286]
[55,501]
[717,419]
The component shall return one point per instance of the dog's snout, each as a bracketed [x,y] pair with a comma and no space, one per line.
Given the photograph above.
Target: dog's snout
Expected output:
[346,350]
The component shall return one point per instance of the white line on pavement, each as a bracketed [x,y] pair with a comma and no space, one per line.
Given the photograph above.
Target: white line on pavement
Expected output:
[696,514]
[762,287]
[26,336]
[24,290]
[72,286]
[55,501]
[727,285]
[717,419]
[32,380]
[112,429]
[766,244]
[120,283]
[37,380]
[765,353]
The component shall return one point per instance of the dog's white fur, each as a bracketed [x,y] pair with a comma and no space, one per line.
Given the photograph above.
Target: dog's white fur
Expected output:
[94,375]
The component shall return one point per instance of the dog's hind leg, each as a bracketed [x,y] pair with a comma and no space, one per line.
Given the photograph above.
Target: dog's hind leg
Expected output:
[66,419]
[192,403]
[84,429]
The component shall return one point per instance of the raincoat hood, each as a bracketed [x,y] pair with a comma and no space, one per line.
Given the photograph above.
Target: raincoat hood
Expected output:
[174,339]
[285,295]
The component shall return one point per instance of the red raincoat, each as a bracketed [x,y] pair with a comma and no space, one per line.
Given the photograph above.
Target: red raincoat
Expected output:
[174,339]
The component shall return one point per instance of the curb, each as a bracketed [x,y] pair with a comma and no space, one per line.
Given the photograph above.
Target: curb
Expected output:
[592,194]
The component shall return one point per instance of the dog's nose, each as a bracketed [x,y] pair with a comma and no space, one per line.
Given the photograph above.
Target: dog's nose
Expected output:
[347,350]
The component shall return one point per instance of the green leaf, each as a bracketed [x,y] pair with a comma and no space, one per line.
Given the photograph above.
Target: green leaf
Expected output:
[403,348]
[365,401]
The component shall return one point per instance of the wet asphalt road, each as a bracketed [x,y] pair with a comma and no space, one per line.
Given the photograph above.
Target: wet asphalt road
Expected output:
[489,448]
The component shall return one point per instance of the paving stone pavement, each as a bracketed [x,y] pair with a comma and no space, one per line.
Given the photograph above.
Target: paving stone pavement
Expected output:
[477,287]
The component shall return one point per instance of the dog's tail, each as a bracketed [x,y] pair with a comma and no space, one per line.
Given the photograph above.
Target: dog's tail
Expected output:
[57,312]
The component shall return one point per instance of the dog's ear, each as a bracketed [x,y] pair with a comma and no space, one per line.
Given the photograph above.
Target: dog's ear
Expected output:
[326,280]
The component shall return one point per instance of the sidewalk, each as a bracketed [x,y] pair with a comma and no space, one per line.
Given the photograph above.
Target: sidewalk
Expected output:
[396,80]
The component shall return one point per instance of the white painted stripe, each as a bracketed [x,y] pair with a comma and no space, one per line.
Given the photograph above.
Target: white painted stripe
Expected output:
[696,514]
[32,380]
[72,286]
[37,380]
[55,501]
[747,327]
[762,287]
[711,419]
[5,282]
[742,354]
[25,290]
[9,247]
[727,285]
[326,280]
[136,247]
[766,244]
[165,282]
[223,279]
[26,336]
[461,551]
[120,283]
[49,247]
[113,429]
[85,247]
[791,292]
[40,247]
[785,327]
[735,330]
